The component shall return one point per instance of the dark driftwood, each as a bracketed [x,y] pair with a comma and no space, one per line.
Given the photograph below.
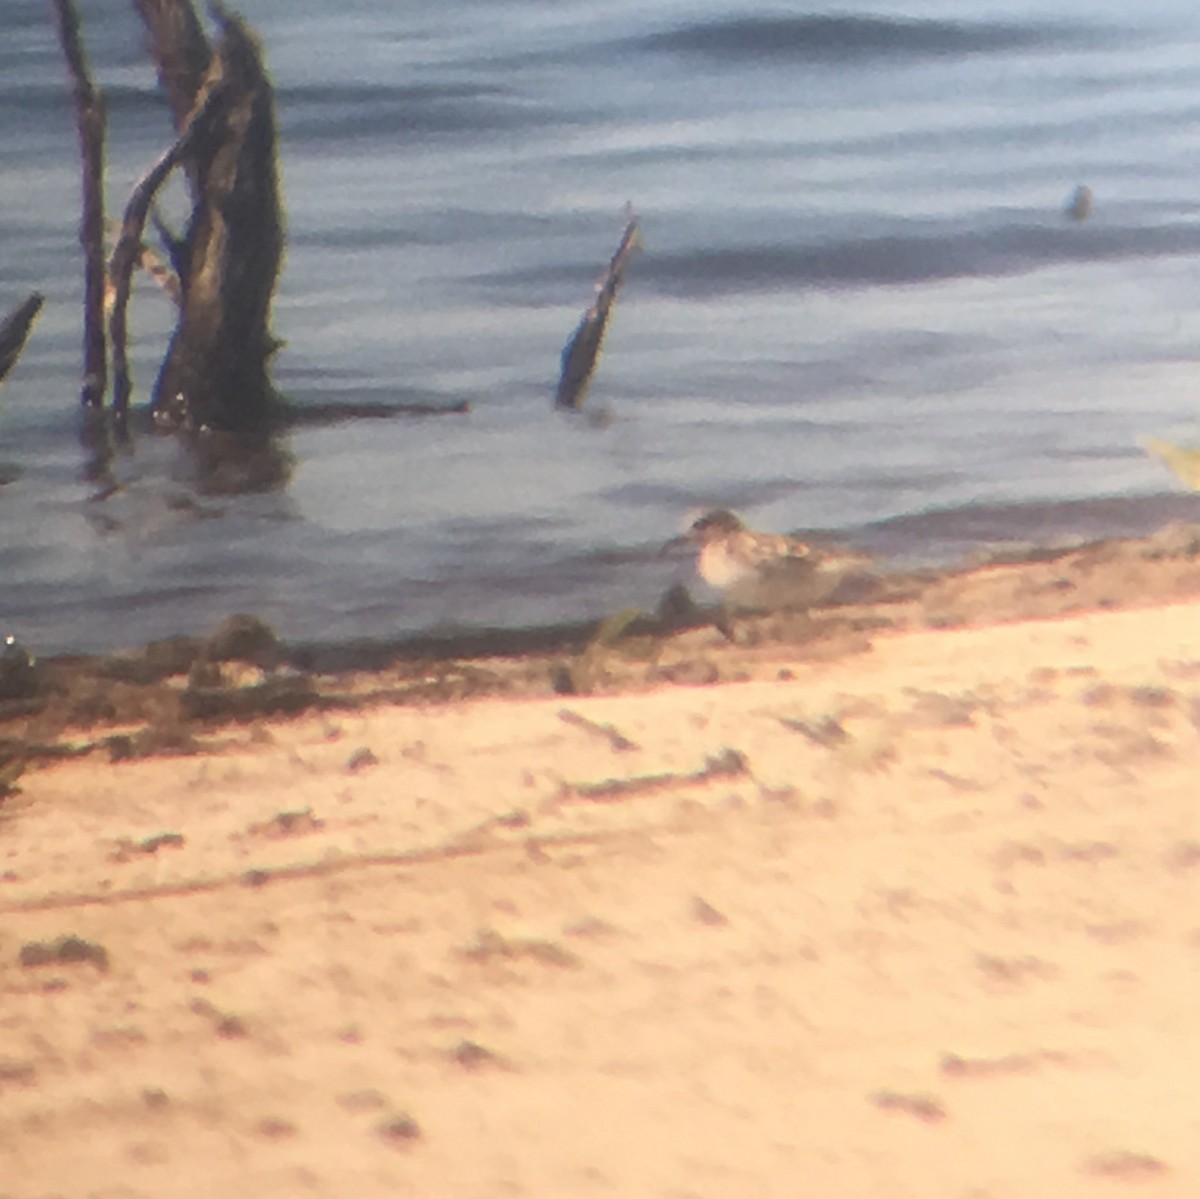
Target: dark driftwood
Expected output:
[215,373]
[129,250]
[15,329]
[582,352]
[337,411]
[90,117]
[180,49]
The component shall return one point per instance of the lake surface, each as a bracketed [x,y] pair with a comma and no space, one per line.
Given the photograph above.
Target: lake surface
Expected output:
[860,306]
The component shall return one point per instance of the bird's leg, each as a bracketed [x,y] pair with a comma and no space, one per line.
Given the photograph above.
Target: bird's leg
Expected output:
[724,622]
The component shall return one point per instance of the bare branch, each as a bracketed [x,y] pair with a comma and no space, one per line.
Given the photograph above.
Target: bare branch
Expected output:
[180,49]
[15,329]
[90,118]
[582,352]
[129,249]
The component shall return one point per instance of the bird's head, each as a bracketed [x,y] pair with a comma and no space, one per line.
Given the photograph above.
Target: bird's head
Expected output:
[714,525]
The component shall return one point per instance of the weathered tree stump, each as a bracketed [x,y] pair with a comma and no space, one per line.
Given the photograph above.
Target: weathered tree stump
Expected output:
[214,378]
[215,373]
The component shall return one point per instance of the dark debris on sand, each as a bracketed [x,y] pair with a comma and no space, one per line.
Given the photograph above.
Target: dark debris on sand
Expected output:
[65,951]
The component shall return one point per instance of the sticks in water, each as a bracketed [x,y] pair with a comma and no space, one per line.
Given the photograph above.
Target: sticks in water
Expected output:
[129,249]
[15,329]
[582,352]
[215,372]
[90,118]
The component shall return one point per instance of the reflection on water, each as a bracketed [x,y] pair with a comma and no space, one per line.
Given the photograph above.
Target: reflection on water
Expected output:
[238,463]
[213,462]
[859,306]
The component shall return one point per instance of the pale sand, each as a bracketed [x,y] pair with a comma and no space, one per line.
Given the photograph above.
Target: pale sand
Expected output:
[944,943]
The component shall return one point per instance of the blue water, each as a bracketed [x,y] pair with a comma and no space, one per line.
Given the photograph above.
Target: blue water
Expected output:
[860,306]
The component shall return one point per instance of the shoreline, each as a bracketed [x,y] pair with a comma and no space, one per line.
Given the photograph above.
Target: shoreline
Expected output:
[920,541]
[242,671]
[893,899]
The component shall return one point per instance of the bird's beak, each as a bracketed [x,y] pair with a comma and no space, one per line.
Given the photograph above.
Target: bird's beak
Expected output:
[674,544]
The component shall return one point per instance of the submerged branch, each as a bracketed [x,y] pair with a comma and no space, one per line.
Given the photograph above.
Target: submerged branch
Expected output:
[15,329]
[338,411]
[582,352]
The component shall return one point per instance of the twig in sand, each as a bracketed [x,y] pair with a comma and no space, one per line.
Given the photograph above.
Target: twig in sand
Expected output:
[826,733]
[729,763]
[613,736]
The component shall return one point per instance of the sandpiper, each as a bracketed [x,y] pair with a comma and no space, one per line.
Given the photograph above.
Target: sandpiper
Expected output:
[763,572]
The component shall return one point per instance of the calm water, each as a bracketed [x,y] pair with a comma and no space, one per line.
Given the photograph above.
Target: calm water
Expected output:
[860,306]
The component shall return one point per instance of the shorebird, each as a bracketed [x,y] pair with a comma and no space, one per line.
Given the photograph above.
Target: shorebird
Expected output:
[764,572]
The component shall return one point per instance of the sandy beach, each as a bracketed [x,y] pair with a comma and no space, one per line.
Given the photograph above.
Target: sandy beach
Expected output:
[898,903]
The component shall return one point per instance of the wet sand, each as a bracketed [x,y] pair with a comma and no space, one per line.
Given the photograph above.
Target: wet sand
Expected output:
[896,900]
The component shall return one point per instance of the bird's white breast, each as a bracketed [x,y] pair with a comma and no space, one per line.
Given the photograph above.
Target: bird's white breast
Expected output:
[720,568]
